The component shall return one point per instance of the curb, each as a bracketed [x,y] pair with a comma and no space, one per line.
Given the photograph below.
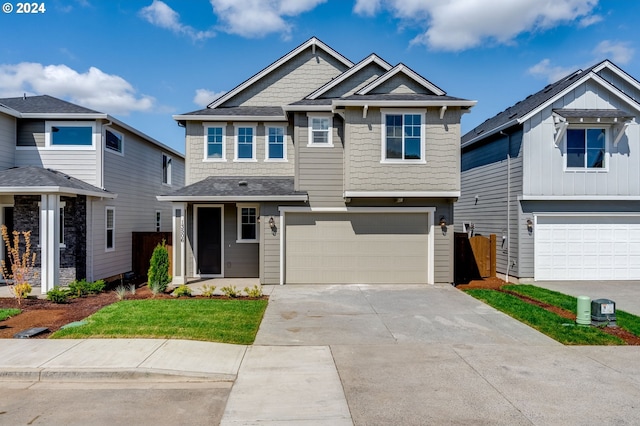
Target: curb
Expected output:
[115,375]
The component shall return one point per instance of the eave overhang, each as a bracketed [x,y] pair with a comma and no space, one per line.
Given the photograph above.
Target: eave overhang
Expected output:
[231,198]
[401,194]
[30,190]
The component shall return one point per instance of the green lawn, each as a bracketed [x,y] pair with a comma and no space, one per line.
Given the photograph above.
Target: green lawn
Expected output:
[7,313]
[225,321]
[561,329]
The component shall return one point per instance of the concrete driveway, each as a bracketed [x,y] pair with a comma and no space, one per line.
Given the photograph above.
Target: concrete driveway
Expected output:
[416,355]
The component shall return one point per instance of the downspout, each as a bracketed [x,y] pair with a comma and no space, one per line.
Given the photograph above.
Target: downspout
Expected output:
[508,213]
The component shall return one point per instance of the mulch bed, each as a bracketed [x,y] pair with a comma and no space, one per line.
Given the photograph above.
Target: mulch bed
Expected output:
[496,283]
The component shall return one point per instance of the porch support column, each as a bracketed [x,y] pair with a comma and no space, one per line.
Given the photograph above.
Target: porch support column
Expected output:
[179,230]
[49,242]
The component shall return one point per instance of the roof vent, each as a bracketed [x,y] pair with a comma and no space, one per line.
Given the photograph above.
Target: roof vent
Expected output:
[243,183]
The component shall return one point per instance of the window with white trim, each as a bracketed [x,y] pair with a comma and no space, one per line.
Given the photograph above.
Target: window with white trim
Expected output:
[110,229]
[215,149]
[166,169]
[245,143]
[586,148]
[320,130]
[70,134]
[247,223]
[403,137]
[276,148]
[158,220]
[113,141]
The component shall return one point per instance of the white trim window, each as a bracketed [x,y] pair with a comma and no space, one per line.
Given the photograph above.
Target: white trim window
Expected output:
[110,229]
[245,143]
[586,148]
[113,141]
[214,143]
[158,220]
[73,135]
[247,223]
[403,139]
[320,130]
[166,169]
[276,144]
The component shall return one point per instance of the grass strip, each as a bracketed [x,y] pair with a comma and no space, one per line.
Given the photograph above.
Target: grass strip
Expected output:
[8,313]
[625,320]
[224,321]
[554,326]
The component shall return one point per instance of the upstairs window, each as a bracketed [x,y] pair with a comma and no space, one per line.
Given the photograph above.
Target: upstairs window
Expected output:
[245,143]
[69,134]
[586,148]
[320,130]
[247,223]
[403,138]
[166,169]
[276,149]
[113,140]
[214,144]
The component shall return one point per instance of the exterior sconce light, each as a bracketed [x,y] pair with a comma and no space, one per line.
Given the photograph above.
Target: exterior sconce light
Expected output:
[272,225]
[529,226]
[443,225]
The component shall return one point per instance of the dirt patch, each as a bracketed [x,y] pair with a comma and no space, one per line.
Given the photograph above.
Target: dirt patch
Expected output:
[496,283]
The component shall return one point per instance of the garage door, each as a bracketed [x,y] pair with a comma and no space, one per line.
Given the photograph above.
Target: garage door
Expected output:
[587,248]
[356,248]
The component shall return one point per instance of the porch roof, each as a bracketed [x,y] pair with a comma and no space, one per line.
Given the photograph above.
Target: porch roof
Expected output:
[38,180]
[238,188]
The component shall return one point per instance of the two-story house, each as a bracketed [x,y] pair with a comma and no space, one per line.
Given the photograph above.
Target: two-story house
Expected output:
[557,177]
[82,182]
[319,170]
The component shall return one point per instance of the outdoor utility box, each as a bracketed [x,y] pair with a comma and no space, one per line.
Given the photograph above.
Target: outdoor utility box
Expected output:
[603,312]
[583,316]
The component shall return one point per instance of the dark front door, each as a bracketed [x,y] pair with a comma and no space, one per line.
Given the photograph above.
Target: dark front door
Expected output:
[8,221]
[209,240]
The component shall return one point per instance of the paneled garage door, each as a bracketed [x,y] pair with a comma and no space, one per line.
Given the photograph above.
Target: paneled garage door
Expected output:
[587,248]
[356,248]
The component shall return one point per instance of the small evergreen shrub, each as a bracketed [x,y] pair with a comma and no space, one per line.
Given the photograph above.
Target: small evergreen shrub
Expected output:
[230,291]
[207,290]
[182,290]
[58,295]
[255,291]
[97,287]
[79,288]
[21,290]
[159,267]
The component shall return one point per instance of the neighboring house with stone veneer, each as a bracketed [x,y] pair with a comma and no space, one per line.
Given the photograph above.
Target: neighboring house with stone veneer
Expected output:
[557,177]
[319,170]
[82,182]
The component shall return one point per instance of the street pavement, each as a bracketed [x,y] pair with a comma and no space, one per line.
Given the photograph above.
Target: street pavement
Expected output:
[357,354]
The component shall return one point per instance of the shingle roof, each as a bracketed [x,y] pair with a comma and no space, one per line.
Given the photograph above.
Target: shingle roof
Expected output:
[521,108]
[28,178]
[402,97]
[44,104]
[238,188]
[240,111]
[601,113]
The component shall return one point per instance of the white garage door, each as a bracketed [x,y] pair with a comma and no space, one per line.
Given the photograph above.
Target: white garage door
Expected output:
[587,248]
[356,248]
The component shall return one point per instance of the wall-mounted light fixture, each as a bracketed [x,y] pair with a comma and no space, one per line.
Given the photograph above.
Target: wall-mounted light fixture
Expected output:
[443,225]
[529,226]
[272,225]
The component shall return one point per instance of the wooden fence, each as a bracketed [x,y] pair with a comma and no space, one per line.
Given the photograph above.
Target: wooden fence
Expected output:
[475,257]
[143,244]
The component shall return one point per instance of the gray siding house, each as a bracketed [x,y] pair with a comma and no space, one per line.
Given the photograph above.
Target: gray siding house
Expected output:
[321,170]
[82,182]
[557,178]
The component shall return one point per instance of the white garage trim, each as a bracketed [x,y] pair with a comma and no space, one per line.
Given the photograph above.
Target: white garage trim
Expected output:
[391,210]
[587,246]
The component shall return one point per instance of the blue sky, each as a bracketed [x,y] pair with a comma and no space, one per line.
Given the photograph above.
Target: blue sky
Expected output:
[144,60]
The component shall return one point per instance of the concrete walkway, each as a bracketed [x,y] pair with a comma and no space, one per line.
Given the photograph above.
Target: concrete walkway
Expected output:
[332,355]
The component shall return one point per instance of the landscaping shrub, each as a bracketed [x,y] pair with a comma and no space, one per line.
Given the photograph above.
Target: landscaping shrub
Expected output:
[79,288]
[21,262]
[255,291]
[58,295]
[182,290]
[207,290]
[230,291]
[159,267]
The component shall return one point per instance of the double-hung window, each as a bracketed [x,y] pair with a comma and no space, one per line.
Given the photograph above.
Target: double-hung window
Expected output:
[320,128]
[166,169]
[586,148]
[215,149]
[275,144]
[245,143]
[402,137]
[110,229]
[247,223]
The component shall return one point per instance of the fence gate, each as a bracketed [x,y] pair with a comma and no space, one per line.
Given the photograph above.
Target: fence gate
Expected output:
[143,245]
[475,257]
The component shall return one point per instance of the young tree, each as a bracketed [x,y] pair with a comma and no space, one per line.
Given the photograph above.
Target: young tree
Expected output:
[158,274]
[19,270]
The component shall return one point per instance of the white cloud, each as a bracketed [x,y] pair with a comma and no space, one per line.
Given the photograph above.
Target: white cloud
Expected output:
[619,52]
[463,24]
[551,73]
[92,89]
[257,18]
[160,14]
[204,97]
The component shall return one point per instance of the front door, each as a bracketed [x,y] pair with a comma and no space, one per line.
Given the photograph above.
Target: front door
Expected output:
[209,240]
[8,221]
